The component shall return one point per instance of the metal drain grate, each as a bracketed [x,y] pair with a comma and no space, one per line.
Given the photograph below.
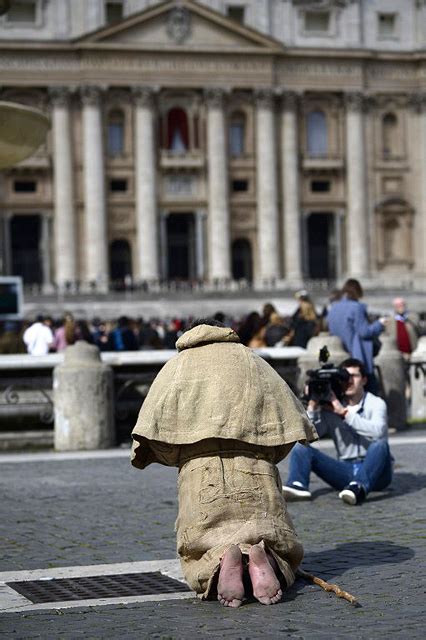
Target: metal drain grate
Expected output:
[94,587]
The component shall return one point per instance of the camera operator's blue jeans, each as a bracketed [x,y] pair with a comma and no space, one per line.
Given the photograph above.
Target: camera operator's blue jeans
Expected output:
[374,473]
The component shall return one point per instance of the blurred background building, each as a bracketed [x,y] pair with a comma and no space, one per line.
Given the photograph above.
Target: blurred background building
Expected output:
[272,142]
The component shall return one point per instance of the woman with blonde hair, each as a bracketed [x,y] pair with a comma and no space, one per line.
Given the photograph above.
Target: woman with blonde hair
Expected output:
[304,324]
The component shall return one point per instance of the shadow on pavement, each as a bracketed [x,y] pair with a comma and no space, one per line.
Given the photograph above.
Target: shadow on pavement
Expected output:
[402,484]
[335,562]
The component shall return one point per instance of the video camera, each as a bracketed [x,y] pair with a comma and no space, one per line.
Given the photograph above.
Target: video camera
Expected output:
[326,380]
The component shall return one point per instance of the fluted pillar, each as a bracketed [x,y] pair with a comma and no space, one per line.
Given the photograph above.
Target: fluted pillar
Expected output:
[95,223]
[63,188]
[146,187]
[356,224]
[291,193]
[199,244]
[267,193]
[418,102]
[218,234]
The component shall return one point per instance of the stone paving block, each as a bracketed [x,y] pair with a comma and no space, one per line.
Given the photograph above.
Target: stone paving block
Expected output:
[103,511]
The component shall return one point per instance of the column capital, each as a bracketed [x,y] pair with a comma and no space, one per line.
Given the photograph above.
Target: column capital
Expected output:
[214,97]
[417,101]
[290,100]
[59,96]
[265,98]
[355,101]
[144,96]
[90,95]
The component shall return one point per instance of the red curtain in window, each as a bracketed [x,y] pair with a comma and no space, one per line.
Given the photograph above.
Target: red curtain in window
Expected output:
[177,122]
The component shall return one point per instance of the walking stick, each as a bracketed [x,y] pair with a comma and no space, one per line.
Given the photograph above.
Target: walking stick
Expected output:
[327,586]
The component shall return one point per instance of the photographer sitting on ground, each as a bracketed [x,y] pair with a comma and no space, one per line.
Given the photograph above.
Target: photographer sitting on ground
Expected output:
[358,427]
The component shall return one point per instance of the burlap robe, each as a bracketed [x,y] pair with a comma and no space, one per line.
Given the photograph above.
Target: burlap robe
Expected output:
[232,496]
[223,416]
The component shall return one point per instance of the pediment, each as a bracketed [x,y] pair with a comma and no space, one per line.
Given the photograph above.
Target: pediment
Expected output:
[179,25]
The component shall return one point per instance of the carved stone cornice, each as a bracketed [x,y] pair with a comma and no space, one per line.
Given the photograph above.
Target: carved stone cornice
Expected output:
[144,96]
[323,4]
[214,97]
[265,98]
[90,95]
[59,96]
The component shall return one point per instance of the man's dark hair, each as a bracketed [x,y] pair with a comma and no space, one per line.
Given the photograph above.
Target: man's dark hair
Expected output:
[352,289]
[354,362]
[123,322]
[211,322]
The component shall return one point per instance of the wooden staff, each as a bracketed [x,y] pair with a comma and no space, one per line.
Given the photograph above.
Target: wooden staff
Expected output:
[327,586]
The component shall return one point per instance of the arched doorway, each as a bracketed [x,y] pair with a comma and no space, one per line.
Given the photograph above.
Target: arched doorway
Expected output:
[120,262]
[180,230]
[321,246]
[242,263]
[26,239]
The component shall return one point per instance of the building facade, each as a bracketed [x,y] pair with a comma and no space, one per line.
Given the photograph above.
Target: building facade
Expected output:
[262,141]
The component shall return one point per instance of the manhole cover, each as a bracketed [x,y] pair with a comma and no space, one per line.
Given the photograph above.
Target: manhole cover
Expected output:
[94,587]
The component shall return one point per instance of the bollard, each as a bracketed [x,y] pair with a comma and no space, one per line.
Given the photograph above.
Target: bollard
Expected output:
[393,381]
[309,360]
[83,400]
[418,381]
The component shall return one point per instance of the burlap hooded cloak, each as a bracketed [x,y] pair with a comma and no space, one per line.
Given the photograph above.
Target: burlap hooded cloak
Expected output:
[221,414]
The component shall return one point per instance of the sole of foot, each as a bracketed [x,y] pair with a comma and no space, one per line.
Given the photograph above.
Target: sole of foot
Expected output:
[230,588]
[266,586]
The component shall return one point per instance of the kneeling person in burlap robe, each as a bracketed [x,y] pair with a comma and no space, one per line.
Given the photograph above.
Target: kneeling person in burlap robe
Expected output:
[224,417]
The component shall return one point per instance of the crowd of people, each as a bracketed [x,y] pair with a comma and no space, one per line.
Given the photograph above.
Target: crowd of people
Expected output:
[268,328]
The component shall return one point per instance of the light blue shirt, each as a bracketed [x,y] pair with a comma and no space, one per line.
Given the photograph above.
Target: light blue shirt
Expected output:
[363,424]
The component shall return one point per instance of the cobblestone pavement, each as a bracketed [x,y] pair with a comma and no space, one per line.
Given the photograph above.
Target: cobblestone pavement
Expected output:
[78,512]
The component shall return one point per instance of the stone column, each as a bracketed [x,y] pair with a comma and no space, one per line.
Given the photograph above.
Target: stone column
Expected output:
[63,188]
[291,194]
[164,257]
[219,234]
[392,377]
[267,193]
[199,244]
[95,223]
[356,230]
[418,381]
[83,400]
[6,258]
[44,250]
[418,103]
[146,186]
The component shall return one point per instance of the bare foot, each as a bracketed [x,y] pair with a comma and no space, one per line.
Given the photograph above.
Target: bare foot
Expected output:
[230,588]
[266,586]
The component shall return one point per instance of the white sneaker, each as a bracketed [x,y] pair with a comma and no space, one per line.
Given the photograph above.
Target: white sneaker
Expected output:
[353,494]
[296,491]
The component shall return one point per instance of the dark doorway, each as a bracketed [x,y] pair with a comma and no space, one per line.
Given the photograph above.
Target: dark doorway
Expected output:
[120,262]
[322,254]
[25,234]
[181,246]
[242,265]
